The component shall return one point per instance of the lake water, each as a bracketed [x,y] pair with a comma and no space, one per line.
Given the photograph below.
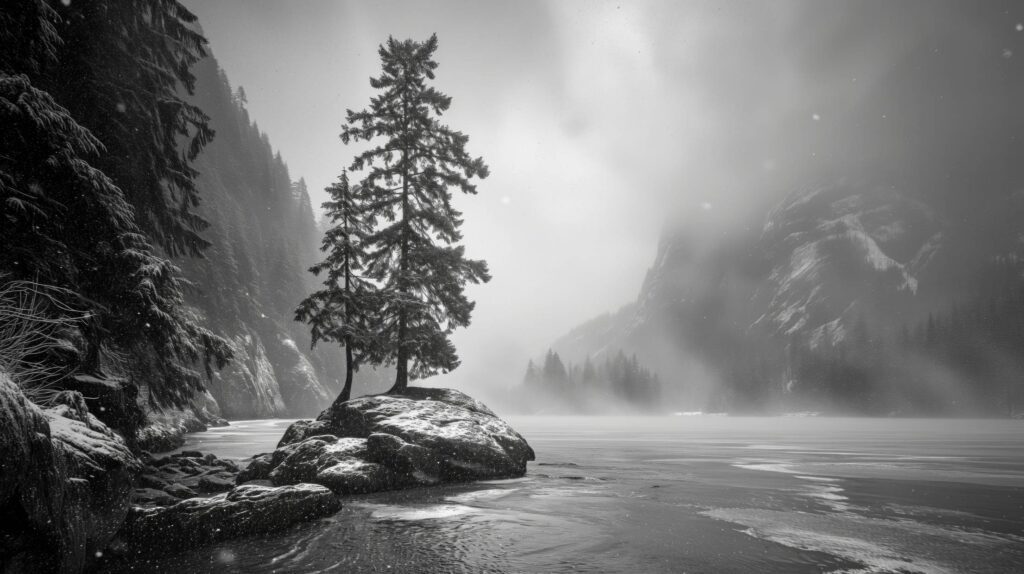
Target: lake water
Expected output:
[676,494]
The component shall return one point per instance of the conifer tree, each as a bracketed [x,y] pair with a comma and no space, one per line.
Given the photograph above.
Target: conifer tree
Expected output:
[65,222]
[340,311]
[131,62]
[409,176]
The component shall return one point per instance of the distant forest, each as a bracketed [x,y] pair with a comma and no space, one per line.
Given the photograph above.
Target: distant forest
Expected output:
[964,360]
[618,383]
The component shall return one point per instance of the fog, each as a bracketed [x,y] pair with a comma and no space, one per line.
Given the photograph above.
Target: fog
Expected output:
[605,122]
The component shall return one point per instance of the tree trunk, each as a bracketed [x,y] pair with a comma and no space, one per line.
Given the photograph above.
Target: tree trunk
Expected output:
[402,366]
[346,391]
[402,360]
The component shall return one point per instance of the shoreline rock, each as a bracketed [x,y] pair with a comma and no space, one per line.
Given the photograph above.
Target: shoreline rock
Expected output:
[423,437]
[65,480]
[72,490]
[166,430]
[244,511]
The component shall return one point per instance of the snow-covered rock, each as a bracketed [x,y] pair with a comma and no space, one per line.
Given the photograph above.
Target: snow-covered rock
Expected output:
[303,429]
[471,441]
[64,486]
[166,429]
[186,474]
[113,401]
[422,437]
[245,510]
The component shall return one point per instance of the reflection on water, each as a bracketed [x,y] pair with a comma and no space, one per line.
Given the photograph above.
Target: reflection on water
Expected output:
[240,440]
[676,494]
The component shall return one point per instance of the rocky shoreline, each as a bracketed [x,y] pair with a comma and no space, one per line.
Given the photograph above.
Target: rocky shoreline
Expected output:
[72,492]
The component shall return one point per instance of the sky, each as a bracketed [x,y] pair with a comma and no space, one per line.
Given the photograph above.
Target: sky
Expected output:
[603,122]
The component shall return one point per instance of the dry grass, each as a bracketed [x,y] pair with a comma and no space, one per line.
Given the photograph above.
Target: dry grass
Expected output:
[35,320]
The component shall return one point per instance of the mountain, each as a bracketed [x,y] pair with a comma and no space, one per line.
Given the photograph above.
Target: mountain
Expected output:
[813,306]
[839,255]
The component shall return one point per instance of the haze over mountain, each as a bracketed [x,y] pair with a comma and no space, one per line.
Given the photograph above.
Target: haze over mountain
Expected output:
[606,120]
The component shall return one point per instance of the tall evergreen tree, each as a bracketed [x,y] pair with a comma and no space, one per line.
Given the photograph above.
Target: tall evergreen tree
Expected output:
[67,223]
[340,312]
[124,70]
[409,175]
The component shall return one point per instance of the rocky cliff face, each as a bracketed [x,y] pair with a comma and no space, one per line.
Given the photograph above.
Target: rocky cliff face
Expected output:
[816,269]
[840,255]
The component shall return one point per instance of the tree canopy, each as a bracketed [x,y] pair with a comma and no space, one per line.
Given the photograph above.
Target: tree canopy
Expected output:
[68,200]
[408,176]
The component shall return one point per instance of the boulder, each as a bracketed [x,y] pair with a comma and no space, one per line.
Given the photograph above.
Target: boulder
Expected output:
[186,474]
[357,476]
[113,401]
[303,429]
[179,490]
[152,480]
[247,509]
[153,497]
[381,442]
[259,468]
[412,463]
[166,430]
[65,483]
[470,440]
[215,483]
[306,459]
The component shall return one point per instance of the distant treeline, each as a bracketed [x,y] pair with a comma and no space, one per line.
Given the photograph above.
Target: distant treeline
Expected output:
[619,382]
[965,359]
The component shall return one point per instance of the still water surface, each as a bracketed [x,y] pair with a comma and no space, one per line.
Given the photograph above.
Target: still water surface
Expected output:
[675,494]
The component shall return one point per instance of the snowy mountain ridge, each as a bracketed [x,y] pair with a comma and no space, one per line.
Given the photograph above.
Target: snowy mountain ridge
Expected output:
[823,260]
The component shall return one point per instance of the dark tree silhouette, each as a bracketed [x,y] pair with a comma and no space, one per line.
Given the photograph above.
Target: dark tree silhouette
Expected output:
[342,310]
[67,222]
[409,176]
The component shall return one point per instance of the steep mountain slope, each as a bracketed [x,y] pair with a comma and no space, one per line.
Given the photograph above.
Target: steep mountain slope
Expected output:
[264,238]
[828,270]
[840,255]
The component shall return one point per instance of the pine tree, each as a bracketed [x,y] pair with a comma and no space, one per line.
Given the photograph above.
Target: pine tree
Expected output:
[129,62]
[67,223]
[409,177]
[341,311]
[589,374]
[554,372]
[532,376]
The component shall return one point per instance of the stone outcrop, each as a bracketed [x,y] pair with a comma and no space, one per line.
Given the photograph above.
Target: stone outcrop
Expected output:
[165,430]
[187,474]
[65,481]
[71,489]
[245,510]
[301,389]
[422,437]
[247,387]
[113,401]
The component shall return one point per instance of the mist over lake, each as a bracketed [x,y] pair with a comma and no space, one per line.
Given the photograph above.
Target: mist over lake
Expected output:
[510,287]
[680,494]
